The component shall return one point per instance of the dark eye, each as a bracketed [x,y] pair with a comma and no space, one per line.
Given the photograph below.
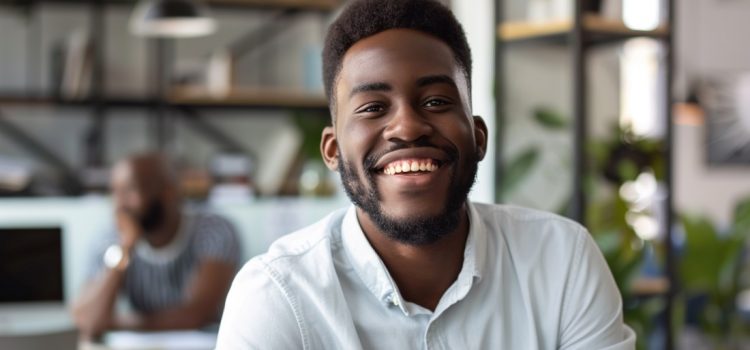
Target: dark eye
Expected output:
[371,108]
[436,102]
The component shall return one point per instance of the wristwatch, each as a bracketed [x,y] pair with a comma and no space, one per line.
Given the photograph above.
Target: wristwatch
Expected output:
[115,258]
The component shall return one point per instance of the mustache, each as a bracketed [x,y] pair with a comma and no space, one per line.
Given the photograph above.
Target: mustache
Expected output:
[372,159]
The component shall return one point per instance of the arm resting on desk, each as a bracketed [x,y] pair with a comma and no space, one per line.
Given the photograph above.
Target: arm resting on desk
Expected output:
[93,310]
[205,295]
[94,313]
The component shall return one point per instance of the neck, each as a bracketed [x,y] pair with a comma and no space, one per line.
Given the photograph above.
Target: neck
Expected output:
[422,272]
[167,231]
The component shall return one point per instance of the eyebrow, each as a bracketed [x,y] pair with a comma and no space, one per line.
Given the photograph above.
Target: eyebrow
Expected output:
[436,79]
[421,82]
[369,87]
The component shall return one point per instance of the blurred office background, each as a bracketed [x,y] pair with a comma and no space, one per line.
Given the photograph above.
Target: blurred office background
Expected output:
[630,116]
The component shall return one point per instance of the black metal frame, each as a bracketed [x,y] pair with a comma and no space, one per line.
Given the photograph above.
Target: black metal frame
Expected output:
[579,51]
[72,185]
[216,4]
[671,267]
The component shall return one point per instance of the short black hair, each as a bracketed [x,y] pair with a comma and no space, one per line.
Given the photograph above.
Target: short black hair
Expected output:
[364,18]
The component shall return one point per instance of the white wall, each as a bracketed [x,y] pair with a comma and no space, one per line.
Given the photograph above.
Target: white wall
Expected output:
[84,219]
[710,40]
[701,189]
[477,18]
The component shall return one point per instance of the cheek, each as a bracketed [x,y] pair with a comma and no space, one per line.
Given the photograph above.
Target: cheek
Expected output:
[358,140]
[133,201]
[461,134]
[364,132]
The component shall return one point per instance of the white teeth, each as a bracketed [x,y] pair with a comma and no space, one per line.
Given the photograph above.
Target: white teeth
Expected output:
[409,166]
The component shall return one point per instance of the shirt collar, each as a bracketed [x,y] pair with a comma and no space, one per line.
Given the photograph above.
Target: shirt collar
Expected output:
[365,260]
[373,273]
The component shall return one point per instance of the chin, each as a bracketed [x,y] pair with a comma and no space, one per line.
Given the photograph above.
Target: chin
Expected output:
[407,211]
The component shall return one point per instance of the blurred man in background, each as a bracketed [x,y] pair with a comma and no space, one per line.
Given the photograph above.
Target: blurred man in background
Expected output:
[175,267]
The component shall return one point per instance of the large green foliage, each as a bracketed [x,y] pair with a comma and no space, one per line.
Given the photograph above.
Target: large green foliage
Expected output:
[711,265]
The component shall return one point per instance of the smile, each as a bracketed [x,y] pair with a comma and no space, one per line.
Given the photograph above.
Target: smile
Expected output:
[410,166]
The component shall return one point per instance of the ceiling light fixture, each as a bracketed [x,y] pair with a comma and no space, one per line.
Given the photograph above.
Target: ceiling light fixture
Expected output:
[171,19]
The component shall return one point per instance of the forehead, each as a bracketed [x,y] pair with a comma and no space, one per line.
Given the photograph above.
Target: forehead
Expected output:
[396,54]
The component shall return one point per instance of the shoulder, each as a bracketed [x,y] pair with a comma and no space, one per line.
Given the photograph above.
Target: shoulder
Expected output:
[258,314]
[212,236]
[533,240]
[519,224]
[208,221]
[306,240]
[206,226]
[301,264]
[266,303]
[302,251]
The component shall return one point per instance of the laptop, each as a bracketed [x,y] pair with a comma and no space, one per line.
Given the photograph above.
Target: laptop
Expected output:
[32,304]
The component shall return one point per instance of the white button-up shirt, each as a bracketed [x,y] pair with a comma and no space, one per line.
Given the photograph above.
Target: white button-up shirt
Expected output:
[530,280]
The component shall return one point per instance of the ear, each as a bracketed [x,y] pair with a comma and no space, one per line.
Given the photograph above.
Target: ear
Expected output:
[329,148]
[480,136]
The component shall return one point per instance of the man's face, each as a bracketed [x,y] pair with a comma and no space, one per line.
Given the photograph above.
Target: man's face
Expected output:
[135,197]
[404,139]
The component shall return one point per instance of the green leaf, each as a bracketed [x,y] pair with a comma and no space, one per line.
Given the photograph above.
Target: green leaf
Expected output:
[550,119]
[518,168]
[742,216]
[703,257]
[608,241]
[627,170]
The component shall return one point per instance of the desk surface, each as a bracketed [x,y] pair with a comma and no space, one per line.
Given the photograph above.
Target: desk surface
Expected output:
[167,340]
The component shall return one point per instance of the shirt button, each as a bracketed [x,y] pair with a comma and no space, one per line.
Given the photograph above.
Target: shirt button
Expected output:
[394,300]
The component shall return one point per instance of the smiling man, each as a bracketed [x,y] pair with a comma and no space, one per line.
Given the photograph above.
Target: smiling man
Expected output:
[413,264]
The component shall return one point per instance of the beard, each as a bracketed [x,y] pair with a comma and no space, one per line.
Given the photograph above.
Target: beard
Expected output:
[416,230]
[153,217]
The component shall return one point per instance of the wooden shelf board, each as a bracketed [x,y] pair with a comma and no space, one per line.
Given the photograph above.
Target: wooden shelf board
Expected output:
[298,4]
[50,101]
[691,114]
[260,98]
[593,24]
[326,5]
[250,97]
[650,286]
[516,31]
[599,25]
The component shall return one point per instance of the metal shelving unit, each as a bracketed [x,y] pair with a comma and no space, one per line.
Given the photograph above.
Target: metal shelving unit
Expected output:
[164,101]
[581,33]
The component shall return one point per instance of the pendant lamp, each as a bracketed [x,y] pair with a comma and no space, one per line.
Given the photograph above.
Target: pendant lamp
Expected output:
[171,19]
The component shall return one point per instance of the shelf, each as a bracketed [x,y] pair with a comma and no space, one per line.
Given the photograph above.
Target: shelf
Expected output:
[518,31]
[691,114]
[326,5]
[650,286]
[240,98]
[37,100]
[597,28]
[258,97]
[598,25]
[323,5]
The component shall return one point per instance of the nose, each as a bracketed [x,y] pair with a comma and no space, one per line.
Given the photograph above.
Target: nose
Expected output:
[407,125]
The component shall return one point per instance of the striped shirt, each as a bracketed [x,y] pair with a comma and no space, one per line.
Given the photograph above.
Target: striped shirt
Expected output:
[157,279]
